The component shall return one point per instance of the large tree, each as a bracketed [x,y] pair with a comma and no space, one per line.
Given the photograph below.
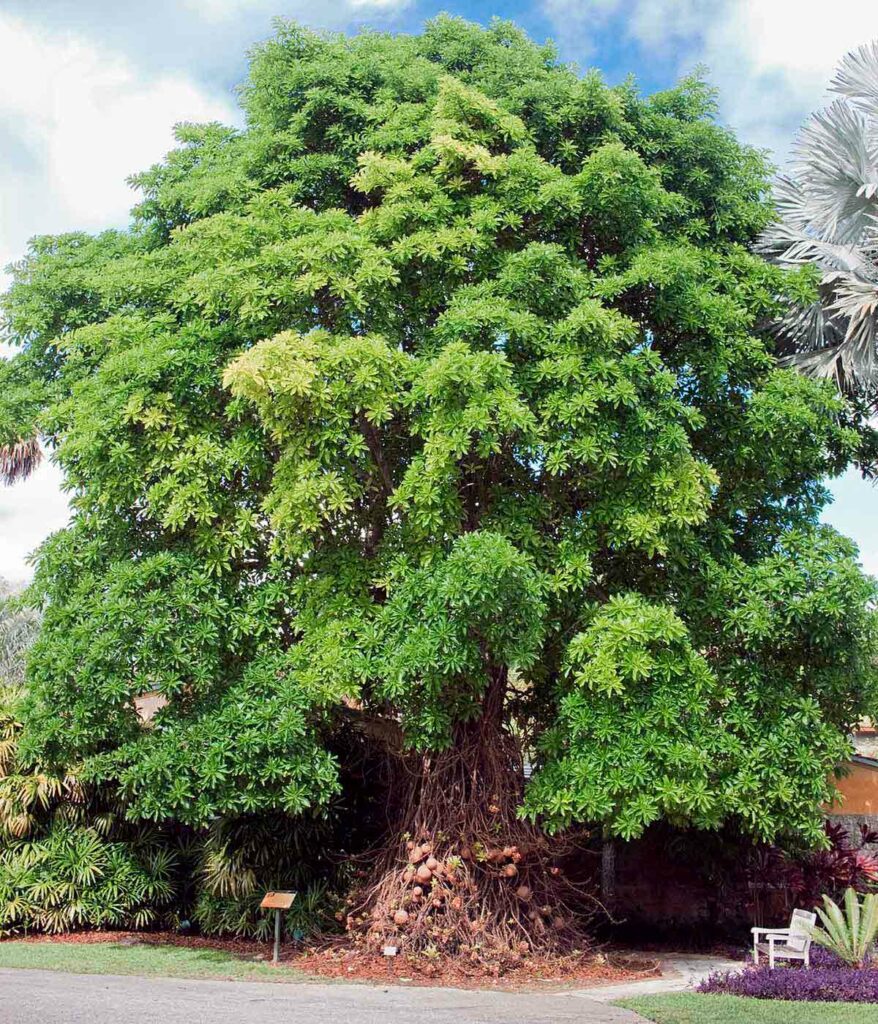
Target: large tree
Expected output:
[436,400]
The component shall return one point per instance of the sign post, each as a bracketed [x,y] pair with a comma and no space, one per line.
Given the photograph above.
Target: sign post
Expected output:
[278,902]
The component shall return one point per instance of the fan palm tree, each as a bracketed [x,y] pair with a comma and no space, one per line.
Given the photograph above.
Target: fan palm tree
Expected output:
[828,218]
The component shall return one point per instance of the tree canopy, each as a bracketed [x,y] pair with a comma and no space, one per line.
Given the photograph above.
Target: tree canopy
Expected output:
[440,392]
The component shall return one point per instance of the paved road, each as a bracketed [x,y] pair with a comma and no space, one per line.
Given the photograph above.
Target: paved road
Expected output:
[46,997]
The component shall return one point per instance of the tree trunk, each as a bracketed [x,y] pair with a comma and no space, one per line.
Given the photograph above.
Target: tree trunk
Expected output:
[462,873]
[608,872]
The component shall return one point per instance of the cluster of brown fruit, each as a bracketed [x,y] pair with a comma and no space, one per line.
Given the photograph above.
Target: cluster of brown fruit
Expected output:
[432,881]
[506,859]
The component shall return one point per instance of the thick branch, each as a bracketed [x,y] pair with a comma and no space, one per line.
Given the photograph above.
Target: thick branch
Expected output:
[373,442]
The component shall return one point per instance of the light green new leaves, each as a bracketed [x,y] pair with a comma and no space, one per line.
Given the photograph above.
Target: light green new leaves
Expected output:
[324,400]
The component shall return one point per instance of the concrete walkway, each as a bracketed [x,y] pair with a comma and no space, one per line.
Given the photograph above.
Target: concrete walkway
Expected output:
[48,997]
[679,973]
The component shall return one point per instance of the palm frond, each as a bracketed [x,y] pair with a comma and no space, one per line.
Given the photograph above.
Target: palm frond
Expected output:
[857,75]
[837,169]
[858,302]
[19,460]
[849,933]
[828,219]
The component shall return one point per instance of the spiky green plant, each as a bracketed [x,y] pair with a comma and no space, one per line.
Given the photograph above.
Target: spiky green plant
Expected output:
[850,933]
[67,860]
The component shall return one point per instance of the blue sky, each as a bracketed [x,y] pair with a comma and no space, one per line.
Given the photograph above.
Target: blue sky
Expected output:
[89,91]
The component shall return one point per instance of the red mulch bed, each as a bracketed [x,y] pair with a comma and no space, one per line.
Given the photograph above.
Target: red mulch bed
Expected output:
[339,961]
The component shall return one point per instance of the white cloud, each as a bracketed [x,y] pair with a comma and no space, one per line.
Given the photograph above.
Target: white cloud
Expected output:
[337,10]
[772,59]
[75,121]
[221,9]
[86,120]
[380,5]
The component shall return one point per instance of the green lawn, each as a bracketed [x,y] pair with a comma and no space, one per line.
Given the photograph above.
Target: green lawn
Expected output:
[687,1008]
[114,958]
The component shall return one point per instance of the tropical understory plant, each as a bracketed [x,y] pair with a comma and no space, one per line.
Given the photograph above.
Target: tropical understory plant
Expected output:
[431,413]
[71,877]
[828,221]
[67,859]
[236,862]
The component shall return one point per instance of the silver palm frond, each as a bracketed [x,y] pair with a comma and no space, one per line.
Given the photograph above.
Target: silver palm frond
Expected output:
[828,218]
[857,75]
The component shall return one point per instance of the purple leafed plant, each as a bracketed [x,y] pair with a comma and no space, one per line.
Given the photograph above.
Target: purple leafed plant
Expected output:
[828,980]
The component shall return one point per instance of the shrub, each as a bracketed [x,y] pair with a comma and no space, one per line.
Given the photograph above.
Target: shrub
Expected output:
[238,861]
[241,915]
[72,877]
[67,857]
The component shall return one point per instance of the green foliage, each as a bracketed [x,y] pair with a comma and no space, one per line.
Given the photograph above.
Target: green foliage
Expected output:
[241,915]
[447,369]
[850,933]
[653,727]
[444,624]
[65,862]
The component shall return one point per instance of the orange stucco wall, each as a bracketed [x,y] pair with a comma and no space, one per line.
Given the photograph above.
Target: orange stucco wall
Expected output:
[859,790]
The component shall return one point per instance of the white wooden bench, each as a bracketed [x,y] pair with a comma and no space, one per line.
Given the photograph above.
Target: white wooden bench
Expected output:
[792,943]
